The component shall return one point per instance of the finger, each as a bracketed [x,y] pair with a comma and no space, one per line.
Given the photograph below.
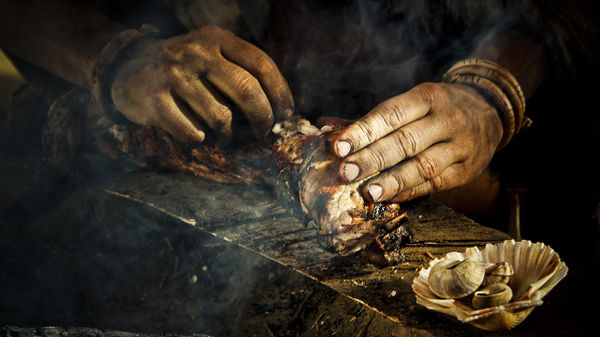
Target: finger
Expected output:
[259,64]
[451,177]
[425,166]
[390,150]
[382,120]
[207,104]
[245,91]
[174,119]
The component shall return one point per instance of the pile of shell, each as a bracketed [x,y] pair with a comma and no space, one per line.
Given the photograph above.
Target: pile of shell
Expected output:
[492,289]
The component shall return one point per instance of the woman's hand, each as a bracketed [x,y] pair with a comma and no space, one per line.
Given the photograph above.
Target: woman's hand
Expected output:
[194,82]
[434,137]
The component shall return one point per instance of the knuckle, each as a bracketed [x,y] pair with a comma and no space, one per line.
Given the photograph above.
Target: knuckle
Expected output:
[431,91]
[264,64]
[397,181]
[190,49]
[366,130]
[196,53]
[264,117]
[248,88]
[212,30]
[429,86]
[438,183]
[413,193]
[222,118]
[426,166]
[462,148]
[378,159]
[174,74]
[393,114]
[407,143]
[426,87]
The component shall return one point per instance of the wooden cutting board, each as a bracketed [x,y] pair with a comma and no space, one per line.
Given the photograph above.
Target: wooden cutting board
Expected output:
[251,217]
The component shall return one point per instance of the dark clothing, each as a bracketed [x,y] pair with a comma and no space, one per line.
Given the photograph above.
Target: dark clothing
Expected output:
[343,57]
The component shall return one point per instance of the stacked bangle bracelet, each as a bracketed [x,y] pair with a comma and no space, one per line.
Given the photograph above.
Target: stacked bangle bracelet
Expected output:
[500,86]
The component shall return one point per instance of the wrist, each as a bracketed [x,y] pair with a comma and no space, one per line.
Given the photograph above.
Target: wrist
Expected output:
[104,69]
[499,87]
[486,112]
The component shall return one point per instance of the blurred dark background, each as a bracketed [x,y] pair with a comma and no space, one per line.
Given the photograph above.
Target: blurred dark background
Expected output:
[553,166]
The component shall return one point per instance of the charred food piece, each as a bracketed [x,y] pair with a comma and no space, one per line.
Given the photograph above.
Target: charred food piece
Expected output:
[295,160]
[344,221]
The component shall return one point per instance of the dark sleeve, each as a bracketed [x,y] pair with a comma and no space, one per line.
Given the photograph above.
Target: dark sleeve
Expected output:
[134,13]
[567,30]
[130,13]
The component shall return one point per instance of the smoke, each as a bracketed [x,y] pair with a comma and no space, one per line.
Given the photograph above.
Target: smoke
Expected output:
[344,57]
[341,58]
[96,260]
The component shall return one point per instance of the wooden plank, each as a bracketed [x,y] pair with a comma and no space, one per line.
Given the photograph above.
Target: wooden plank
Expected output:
[251,217]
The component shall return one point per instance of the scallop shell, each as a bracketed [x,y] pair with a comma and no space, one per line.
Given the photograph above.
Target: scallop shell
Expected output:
[537,270]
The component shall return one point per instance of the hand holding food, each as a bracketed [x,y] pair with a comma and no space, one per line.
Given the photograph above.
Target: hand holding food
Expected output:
[192,83]
[434,137]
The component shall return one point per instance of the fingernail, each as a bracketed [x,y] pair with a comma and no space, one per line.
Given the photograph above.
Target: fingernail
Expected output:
[375,191]
[351,171]
[343,148]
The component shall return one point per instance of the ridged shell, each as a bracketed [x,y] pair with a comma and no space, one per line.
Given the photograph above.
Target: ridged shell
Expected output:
[501,272]
[537,270]
[456,278]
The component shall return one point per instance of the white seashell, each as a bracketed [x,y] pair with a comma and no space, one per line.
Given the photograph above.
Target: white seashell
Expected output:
[501,272]
[537,270]
[451,278]
[493,295]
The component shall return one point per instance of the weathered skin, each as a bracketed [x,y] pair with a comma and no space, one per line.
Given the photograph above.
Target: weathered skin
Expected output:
[296,161]
[337,210]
